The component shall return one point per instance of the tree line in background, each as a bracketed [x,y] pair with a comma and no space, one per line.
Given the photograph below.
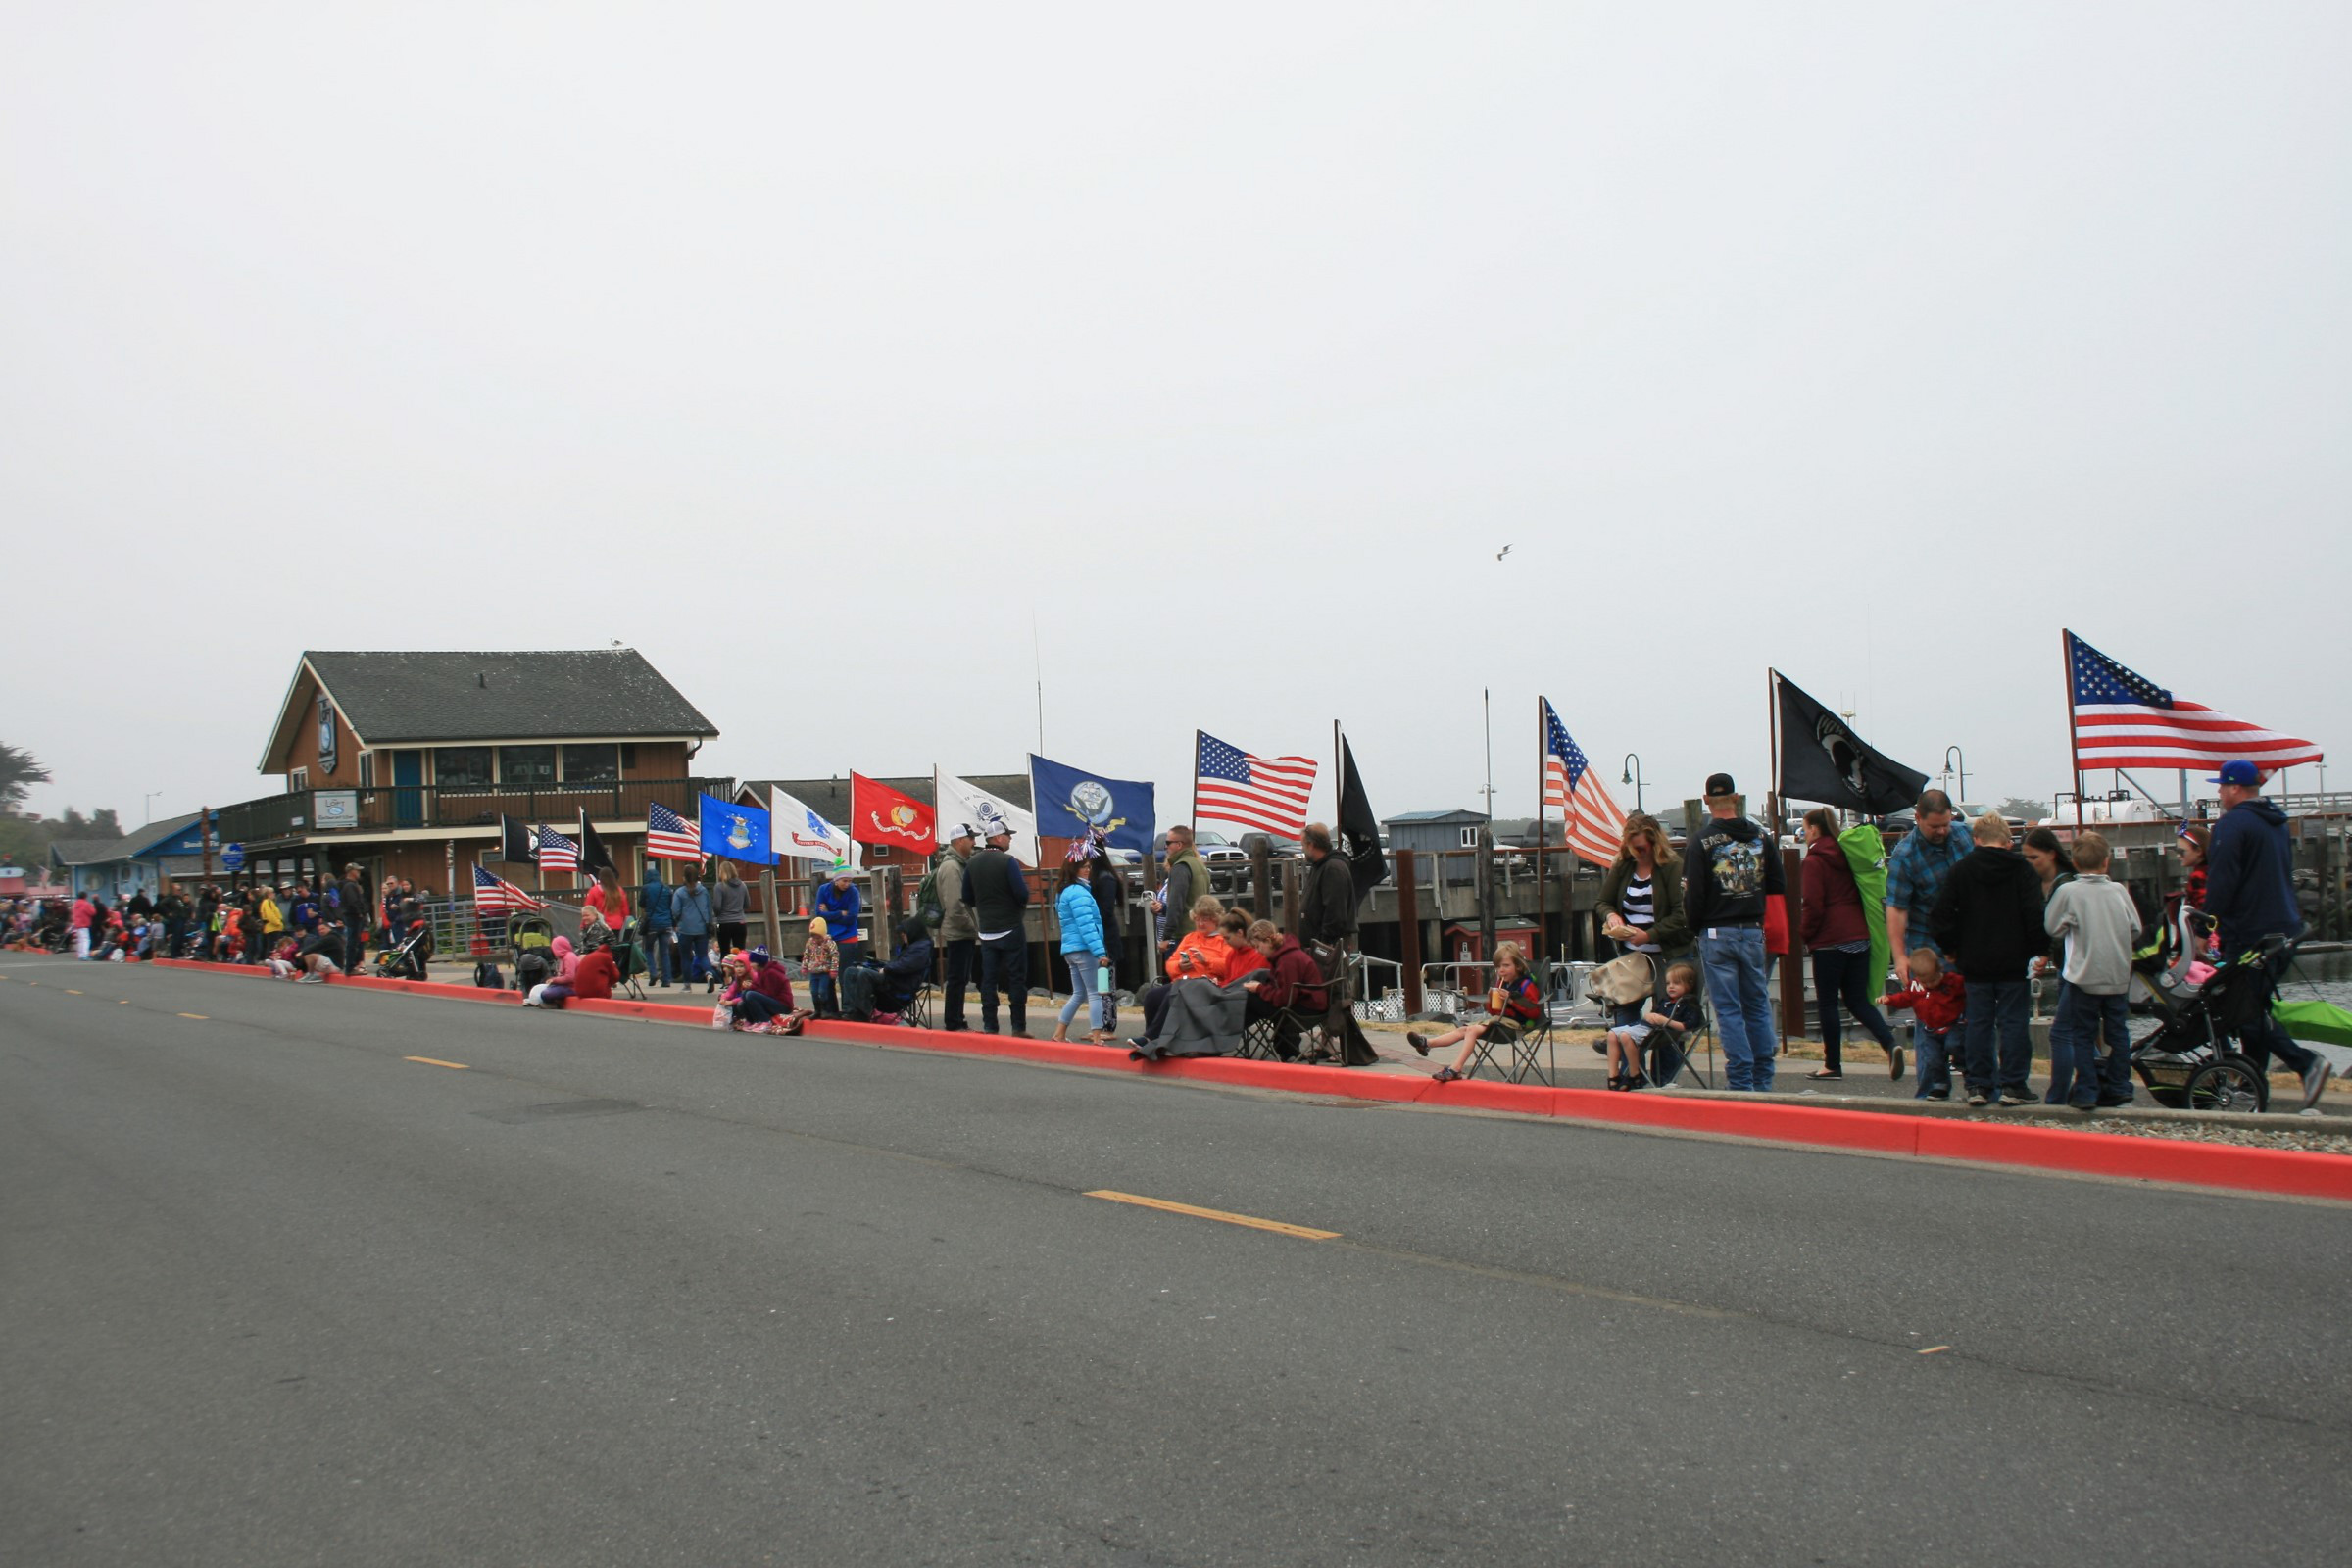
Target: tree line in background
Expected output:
[25,841]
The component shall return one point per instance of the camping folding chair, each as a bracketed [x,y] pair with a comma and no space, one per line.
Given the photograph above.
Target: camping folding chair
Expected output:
[1530,1044]
[1263,1039]
[1664,1057]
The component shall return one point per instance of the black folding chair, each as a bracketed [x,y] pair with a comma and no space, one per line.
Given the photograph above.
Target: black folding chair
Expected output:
[1664,1057]
[1530,1047]
[1263,1039]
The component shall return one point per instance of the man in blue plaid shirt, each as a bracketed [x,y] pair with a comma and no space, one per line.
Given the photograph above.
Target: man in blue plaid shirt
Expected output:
[1915,874]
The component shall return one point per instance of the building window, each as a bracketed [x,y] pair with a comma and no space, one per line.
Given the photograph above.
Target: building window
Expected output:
[628,757]
[298,780]
[367,770]
[1469,838]
[462,768]
[592,764]
[526,767]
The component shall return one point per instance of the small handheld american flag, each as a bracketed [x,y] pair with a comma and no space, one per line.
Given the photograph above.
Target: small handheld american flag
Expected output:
[497,895]
[670,836]
[557,852]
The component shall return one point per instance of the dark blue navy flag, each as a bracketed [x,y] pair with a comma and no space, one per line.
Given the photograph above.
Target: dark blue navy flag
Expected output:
[1070,799]
[736,832]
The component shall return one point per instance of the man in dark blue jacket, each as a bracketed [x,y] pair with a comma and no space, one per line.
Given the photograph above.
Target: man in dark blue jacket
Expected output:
[659,932]
[2250,893]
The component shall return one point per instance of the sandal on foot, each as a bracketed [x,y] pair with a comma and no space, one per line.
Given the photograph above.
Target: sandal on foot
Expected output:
[1443,1075]
[1419,1042]
[1824,1073]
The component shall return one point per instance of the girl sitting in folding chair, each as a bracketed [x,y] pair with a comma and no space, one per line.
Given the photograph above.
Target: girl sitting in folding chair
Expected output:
[1512,1003]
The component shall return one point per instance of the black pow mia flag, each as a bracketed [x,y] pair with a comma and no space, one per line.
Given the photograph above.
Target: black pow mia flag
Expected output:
[1359,829]
[1823,760]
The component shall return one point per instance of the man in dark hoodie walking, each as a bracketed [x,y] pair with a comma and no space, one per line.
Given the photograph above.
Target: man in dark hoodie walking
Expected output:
[1987,921]
[1729,869]
[2250,893]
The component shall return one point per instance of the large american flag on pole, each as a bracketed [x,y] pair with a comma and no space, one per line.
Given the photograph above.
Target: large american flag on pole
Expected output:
[496,895]
[670,836]
[1595,821]
[557,852]
[1264,793]
[2124,719]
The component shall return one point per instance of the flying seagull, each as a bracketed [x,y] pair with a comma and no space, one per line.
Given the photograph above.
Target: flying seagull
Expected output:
[1504,550]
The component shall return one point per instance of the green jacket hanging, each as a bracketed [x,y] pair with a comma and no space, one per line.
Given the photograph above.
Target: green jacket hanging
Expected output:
[1866,856]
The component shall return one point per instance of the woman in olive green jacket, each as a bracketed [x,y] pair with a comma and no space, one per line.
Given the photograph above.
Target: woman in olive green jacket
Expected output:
[1641,895]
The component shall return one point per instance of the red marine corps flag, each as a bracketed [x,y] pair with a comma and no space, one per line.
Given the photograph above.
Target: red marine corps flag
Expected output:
[884,817]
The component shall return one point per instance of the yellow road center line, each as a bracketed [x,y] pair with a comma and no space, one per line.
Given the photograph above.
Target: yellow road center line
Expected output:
[198,1016]
[1304,1232]
[432,1062]
[71,992]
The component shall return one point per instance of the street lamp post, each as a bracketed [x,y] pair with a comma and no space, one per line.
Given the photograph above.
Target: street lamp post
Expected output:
[150,803]
[1633,776]
[1953,754]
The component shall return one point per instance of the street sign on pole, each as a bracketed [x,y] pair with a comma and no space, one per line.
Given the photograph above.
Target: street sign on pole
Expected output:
[232,856]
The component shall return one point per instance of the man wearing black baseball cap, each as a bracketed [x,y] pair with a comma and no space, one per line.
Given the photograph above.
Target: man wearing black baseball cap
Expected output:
[2250,893]
[1729,869]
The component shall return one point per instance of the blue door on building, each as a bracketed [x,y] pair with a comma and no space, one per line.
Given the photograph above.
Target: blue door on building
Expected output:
[407,799]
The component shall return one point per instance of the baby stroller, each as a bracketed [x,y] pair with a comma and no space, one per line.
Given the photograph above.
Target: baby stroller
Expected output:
[406,960]
[2193,1059]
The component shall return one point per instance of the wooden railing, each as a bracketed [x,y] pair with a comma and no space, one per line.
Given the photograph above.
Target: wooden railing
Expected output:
[390,807]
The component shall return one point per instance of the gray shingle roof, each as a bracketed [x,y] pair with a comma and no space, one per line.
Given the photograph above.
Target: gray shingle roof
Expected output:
[89,852]
[395,698]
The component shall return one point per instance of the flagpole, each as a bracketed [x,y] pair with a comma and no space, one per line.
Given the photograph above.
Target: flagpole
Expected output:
[2074,754]
[1772,709]
[1543,839]
[1196,816]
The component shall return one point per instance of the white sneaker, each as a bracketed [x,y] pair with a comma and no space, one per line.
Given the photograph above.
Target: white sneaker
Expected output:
[2315,1082]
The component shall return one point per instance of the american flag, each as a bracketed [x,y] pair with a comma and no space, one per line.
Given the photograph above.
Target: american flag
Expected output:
[495,896]
[670,836]
[1264,793]
[1595,823]
[557,852]
[2124,719]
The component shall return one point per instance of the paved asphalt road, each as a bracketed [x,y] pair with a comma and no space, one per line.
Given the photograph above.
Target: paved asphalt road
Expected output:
[623,1292]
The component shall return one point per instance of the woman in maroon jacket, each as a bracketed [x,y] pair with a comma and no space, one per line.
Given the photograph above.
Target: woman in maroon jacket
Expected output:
[1838,939]
[1291,980]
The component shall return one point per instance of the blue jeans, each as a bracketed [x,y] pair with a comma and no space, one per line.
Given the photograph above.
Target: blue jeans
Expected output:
[1731,958]
[659,948]
[2077,1077]
[2000,1050]
[1934,1047]
[692,959]
[1083,992]
[2269,1038]
[824,996]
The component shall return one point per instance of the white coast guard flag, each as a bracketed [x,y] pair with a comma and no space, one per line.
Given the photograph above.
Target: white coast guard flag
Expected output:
[961,800]
[800,834]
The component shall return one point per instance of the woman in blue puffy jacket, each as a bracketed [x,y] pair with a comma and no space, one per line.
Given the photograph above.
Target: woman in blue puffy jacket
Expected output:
[1083,948]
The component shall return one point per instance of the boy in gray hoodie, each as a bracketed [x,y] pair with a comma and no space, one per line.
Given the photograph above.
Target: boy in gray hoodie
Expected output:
[2096,920]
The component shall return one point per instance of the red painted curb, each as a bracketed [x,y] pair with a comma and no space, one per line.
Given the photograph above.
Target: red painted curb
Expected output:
[2290,1172]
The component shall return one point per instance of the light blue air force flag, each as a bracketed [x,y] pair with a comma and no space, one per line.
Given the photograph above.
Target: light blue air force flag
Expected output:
[736,832]
[1070,801]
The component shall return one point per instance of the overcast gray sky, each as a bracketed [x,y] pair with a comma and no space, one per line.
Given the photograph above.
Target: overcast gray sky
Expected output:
[813,349]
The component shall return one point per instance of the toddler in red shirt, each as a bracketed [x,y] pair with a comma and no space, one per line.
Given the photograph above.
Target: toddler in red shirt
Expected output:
[1938,998]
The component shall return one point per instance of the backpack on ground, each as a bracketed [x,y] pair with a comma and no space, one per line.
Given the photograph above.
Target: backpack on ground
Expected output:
[486,975]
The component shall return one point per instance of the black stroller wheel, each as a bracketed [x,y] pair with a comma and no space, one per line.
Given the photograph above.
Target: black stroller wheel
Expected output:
[2231,1084]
